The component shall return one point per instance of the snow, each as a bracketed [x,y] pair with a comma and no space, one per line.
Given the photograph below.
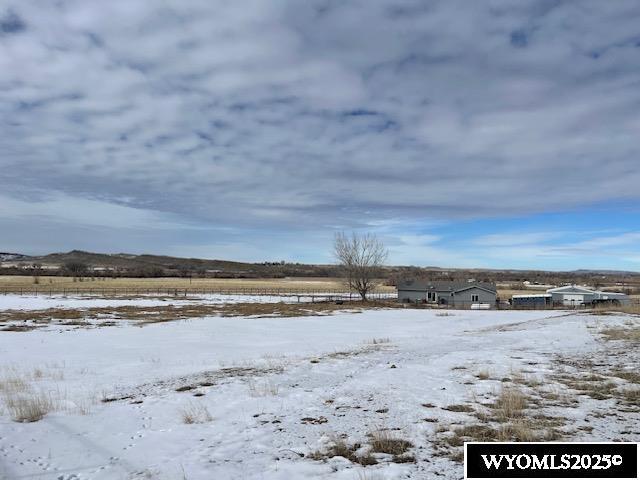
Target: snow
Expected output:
[267,375]
[40,302]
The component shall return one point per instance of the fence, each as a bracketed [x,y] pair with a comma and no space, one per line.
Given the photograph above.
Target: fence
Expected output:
[319,295]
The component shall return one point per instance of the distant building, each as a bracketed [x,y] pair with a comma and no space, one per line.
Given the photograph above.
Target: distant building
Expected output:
[569,296]
[455,294]
[534,300]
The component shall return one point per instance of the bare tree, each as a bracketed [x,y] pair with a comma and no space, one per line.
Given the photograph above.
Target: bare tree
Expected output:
[361,258]
[76,269]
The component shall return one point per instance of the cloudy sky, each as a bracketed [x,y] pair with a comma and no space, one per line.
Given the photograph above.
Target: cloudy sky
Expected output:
[466,134]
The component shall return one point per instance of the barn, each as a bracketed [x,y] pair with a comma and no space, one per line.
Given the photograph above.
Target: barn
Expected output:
[455,294]
[573,295]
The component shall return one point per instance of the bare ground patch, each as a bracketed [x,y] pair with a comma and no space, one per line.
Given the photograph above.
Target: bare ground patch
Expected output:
[381,446]
[25,320]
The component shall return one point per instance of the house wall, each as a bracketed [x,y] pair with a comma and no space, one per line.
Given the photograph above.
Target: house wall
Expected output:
[463,299]
[411,296]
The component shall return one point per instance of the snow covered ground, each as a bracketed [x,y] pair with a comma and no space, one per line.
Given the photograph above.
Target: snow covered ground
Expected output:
[265,393]
[38,302]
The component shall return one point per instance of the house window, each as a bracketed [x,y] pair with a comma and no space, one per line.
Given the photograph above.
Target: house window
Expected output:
[475,298]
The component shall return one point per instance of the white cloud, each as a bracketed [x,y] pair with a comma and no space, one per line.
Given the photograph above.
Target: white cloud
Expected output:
[311,115]
[511,239]
[70,210]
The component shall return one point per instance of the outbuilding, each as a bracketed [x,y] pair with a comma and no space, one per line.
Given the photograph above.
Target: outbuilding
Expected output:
[534,300]
[573,295]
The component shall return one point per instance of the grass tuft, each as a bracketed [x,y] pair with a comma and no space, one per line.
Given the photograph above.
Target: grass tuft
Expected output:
[382,441]
[29,406]
[510,404]
[195,413]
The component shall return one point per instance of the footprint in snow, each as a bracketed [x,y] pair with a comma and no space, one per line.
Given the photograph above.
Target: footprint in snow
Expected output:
[42,463]
[100,468]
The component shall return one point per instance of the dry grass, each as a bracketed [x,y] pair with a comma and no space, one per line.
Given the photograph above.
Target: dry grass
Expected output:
[592,385]
[459,408]
[365,475]
[631,396]
[24,401]
[297,284]
[510,404]
[526,431]
[631,334]
[521,430]
[263,388]
[380,441]
[629,376]
[521,378]
[29,406]
[10,384]
[195,413]
[630,309]
[170,312]
[383,441]
[509,419]
[378,341]
[340,448]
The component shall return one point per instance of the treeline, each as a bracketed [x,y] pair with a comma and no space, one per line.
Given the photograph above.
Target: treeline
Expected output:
[81,269]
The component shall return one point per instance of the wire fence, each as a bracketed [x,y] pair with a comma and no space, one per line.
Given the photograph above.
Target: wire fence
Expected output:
[318,295]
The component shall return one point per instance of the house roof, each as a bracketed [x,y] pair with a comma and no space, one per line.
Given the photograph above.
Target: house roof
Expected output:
[612,295]
[442,286]
[533,295]
[571,289]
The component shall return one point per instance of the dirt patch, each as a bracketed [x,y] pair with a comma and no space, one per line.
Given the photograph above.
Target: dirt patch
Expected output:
[380,442]
[314,421]
[339,447]
[459,408]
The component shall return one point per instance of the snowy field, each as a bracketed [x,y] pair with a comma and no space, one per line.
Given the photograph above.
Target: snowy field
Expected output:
[268,398]
[37,302]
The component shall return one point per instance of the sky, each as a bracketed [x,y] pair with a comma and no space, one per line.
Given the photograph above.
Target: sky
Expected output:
[494,134]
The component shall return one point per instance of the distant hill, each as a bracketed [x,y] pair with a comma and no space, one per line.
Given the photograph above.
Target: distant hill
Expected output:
[162,265]
[6,256]
[146,265]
